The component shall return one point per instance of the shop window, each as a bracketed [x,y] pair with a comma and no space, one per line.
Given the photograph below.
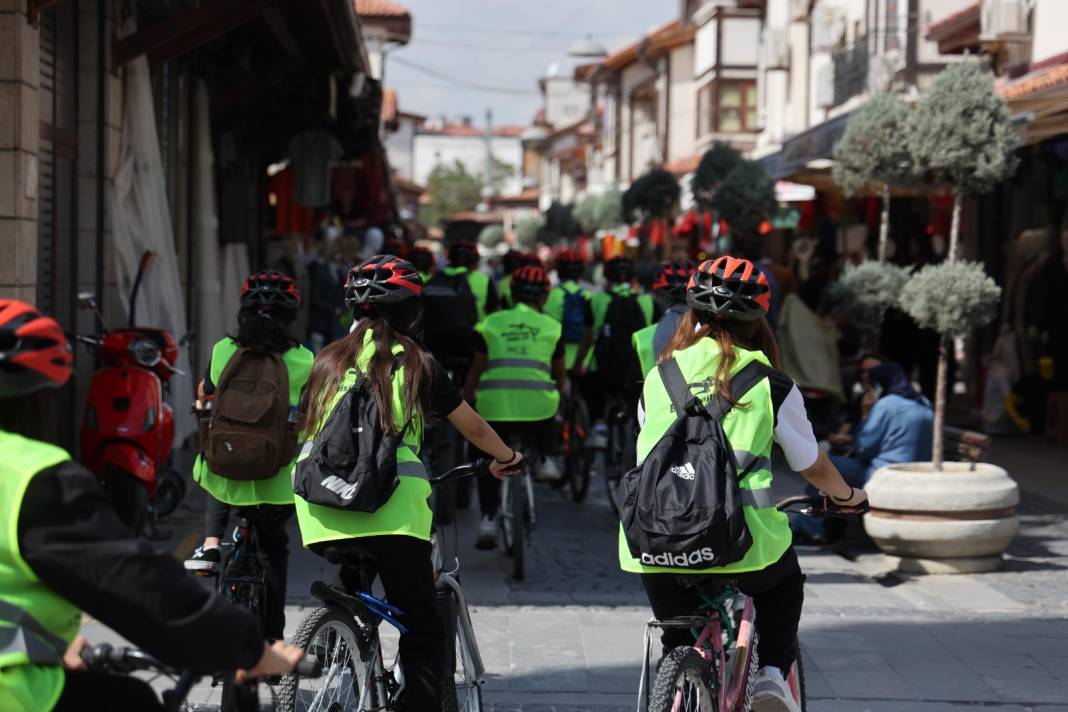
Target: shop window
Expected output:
[704,109]
[736,110]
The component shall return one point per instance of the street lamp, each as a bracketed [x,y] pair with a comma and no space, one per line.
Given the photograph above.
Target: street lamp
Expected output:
[588,48]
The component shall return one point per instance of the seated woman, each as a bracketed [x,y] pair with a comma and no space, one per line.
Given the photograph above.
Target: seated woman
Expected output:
[896,426]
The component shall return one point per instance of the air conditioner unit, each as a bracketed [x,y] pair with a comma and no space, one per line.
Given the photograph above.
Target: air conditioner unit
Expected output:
[825,86]
[776,49]
[828,28]
[1003,21]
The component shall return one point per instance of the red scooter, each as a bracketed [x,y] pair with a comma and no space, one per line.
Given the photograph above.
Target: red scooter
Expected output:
[128,429]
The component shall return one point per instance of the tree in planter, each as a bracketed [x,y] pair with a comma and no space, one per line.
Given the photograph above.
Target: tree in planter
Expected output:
[491,236]
[745,198]
[874,151]
[451,189]
[953,298]
[716,164]
[560,224]
[866,291]
[960,135]
[609,214]
[654,195]
[585,212]
[526,232]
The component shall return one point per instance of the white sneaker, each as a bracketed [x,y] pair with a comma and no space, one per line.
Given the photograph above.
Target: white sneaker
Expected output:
[545,470]
[487,534]
[772,692]
[599,437]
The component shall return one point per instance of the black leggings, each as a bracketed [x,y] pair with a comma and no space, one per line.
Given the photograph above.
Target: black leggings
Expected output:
[272,551]
[536,438]
[778,593]
[407,575]
[99,692]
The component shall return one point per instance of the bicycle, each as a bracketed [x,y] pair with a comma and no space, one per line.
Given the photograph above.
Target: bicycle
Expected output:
[343,633]
[105,658]
[578,458]
[719,671]
[620,454]
[515,516]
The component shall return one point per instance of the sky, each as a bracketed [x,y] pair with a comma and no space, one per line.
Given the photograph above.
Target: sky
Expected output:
[469,55]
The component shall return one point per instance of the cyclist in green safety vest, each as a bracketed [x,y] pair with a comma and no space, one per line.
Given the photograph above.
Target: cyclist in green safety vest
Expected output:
[515,382]
[669,289]
[463,259]
[410,388]
[619,274]
[64,550]
[571,305]
[269,303]
[512,260]
[423,260]
[724,330]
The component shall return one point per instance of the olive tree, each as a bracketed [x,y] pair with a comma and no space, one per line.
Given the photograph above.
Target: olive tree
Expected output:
[953,298]
[526,232]
[874,153]
[745,198]
[866,291]
[716,164]
[961,135]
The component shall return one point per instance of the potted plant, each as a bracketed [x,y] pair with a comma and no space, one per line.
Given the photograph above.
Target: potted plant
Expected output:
[865,292]
[652,199]
[874,153]
[745,198]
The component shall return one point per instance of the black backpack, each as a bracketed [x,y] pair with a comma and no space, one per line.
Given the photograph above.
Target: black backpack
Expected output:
[352,464]
[614,352]
[449,316]
[682,507]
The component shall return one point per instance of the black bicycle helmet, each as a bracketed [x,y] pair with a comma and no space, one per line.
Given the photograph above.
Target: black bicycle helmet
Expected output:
[619,269]
[270,288]
[529,284]
[729,288]
[673,278]
[34,352]
[463,253]
[383,279]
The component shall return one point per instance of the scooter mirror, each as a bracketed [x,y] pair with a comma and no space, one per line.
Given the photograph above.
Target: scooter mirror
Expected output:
[187,339]
[87,300]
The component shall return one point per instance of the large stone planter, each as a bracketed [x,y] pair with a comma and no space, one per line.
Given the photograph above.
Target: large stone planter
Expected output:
[955,521]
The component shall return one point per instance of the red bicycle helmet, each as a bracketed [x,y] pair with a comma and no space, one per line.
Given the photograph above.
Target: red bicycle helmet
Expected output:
[34,352]
[569,263]
[619,269]
[422,258]
[673,278]
[270,288]
[463,253]
[729,288]
[529,284]
[383,279]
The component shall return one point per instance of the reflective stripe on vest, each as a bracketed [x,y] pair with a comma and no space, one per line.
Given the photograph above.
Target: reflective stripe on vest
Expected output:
[407,512]
[749,430]
[517,385]
[36,623]
[504,384]
[518,363]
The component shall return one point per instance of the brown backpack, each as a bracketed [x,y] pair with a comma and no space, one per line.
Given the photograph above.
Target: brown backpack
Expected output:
[249,436]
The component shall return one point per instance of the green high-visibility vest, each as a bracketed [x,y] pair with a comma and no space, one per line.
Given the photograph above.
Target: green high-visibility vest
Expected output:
[504,290]
[406,512]
[272,490]
[554,307]
[643,344]
[600,301]
[36,624]
[749,428]
[518,384]
[479,282]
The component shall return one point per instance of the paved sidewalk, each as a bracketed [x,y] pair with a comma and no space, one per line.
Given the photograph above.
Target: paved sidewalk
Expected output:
[569,638]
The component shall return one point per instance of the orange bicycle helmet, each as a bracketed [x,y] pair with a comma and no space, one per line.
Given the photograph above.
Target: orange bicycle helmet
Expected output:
[673,278]
[729,288]
[34,352]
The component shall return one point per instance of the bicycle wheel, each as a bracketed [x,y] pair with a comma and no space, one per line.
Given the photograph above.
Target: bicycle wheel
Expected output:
[797,678]
[461,690]
[579,459]
[684,683]
[518,495]
[331,635]
[611,462]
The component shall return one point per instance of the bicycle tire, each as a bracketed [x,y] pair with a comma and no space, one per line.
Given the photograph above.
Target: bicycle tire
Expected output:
[288,698]
[751,674]
[452,699]
[578,461]
[799,664]
[678,665]
[518,495]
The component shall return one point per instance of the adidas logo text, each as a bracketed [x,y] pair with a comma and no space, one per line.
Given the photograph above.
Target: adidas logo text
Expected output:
[684,472]
[339,487]
[692,558]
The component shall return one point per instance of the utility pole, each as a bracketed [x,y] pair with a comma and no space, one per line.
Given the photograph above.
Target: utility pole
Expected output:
[487,188]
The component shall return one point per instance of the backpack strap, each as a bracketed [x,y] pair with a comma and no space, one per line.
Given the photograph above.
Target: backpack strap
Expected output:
[751,374]
[677,387]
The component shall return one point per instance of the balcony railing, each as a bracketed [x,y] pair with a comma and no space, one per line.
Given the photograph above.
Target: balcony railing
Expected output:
[851,70]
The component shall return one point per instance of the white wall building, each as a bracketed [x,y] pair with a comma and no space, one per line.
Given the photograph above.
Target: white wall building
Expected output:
[443,144]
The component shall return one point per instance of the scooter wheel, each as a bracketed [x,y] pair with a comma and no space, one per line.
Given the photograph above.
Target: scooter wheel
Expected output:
[170,490]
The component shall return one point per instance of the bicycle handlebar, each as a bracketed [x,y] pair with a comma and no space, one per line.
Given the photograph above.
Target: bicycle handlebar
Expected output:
[471,469]
[821,506]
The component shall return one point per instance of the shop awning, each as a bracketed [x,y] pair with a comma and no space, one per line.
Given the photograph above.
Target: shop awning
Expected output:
[1040,97]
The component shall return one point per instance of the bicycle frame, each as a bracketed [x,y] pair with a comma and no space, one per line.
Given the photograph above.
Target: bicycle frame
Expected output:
[730,685]
[528,485]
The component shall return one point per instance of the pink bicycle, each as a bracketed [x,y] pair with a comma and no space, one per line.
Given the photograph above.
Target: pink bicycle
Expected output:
[719,671]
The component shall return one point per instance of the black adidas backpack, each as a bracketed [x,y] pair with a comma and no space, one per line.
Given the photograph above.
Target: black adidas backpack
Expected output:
[682,507]
[352,464]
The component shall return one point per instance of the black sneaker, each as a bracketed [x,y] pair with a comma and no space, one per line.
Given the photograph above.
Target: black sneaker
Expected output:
[203,562]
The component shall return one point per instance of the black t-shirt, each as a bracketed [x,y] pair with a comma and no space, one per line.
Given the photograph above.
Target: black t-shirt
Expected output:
[444,395]
[482,348]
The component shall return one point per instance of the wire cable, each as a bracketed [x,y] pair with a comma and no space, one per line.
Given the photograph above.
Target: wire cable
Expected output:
[460,81]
